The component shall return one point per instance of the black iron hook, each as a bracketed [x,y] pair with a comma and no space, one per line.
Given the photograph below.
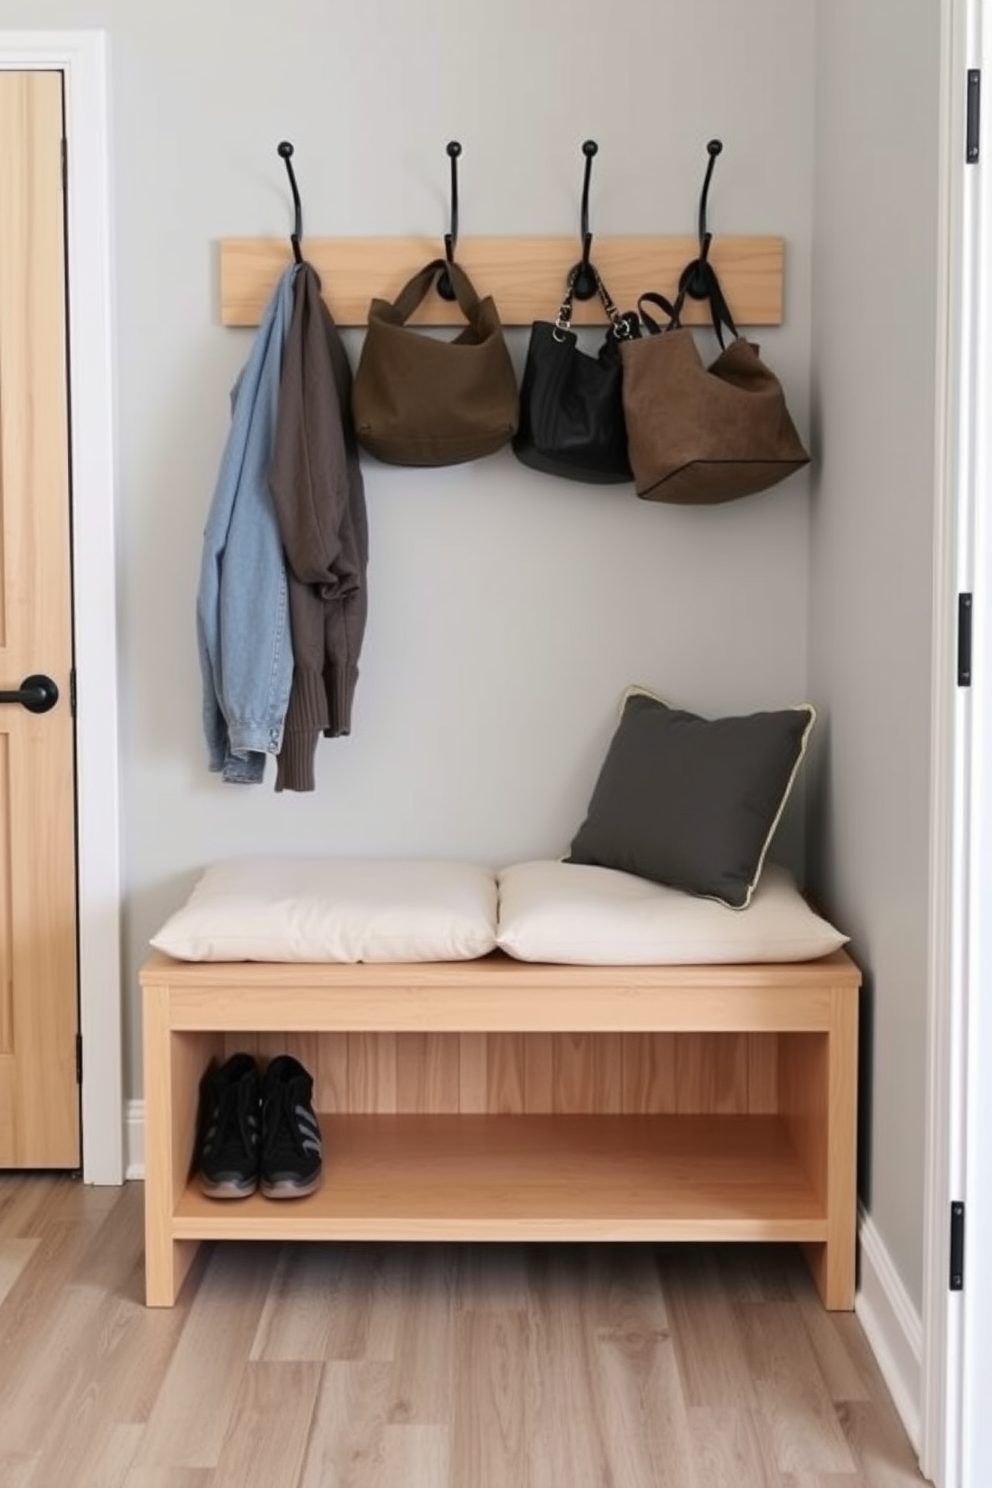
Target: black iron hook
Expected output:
[445,288]
[285,150]
[583,276]
[696,280]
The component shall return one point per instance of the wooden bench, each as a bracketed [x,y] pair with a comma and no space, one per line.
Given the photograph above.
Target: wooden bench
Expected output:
[501,1100]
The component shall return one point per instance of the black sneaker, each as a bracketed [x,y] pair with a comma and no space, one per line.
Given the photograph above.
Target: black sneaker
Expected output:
[291,1152]
[229,1129]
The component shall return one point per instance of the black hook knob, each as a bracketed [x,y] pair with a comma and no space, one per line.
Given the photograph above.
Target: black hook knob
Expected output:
[445,288]
[583,276]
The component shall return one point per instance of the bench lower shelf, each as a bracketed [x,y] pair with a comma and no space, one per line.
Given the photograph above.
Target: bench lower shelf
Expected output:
[538,1178]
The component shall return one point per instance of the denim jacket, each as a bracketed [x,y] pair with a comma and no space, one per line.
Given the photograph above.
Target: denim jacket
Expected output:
[243,629]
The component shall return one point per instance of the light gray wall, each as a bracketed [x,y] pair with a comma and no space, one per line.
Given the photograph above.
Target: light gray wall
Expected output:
[507,610]
[874,299]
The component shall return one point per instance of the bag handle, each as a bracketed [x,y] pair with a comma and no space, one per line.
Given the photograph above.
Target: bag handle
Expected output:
[698,279]
[416,288]
[619,324]
[671,310]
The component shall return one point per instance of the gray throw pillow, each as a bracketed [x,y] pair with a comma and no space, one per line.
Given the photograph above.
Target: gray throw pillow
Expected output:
[692,802]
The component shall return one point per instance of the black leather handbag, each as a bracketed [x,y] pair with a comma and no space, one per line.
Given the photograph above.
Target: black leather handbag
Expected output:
[571,403]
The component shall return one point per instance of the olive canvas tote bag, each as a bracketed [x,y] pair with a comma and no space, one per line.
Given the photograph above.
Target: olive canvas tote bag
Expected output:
[420,399]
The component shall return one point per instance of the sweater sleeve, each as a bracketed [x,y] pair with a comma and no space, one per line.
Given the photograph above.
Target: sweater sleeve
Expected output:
[308,475]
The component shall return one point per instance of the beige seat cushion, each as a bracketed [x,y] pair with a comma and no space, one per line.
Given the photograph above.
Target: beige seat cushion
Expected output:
[313,909]
[587,916]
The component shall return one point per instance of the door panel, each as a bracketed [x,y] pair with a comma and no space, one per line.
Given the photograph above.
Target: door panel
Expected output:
[39,1094]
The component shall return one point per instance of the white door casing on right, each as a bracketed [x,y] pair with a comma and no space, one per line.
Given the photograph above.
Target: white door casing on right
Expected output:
[956,1447]
[976,1297]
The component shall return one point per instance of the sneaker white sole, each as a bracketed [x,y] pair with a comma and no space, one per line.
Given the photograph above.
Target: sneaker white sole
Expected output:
[289,1190]
[227,1188]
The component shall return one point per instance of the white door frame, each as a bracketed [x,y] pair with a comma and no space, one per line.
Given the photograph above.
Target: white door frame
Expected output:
[956,1431]
[81,56]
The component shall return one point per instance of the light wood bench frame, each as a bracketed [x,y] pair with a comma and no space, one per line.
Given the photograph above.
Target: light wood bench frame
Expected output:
[500,1100]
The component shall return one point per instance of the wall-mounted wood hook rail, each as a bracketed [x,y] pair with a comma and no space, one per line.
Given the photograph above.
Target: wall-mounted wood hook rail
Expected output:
[525,276]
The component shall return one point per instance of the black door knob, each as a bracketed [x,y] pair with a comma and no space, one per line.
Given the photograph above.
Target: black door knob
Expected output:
[36,693]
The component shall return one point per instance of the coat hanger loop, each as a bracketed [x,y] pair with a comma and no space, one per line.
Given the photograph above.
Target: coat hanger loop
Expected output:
[285,150]
[583,275]
[445,288]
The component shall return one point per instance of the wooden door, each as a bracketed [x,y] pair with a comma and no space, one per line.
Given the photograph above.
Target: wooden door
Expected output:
[39,1014]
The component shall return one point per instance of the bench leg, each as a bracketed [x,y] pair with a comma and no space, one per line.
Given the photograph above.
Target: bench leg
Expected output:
[165,1270]
[818,1093]
[173,1064]
[832,1267]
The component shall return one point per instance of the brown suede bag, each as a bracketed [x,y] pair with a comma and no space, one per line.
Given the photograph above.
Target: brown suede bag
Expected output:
[421,400]
[699,434]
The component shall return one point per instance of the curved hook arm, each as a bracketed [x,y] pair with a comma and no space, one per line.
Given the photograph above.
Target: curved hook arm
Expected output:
[285,150]
[445,288]
[584,281]
[713,149]
[697,278]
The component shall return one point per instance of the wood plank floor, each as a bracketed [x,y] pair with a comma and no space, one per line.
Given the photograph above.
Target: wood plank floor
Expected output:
[435,1366]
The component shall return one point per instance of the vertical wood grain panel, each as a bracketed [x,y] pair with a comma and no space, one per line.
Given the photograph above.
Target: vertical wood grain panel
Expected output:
[300,1046]
[506,1074]
[762,1073]
[649,1072]
[371,1073]
[332,1072]
[472,1081]
[427,1072]
[539,1070]
[541,1073]
[510,1073]
[588,1073]
[711,1073]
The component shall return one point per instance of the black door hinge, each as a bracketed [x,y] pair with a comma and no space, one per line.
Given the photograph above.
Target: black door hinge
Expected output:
[973,115]
[964,640]
[72,692]
[65,166]
[79,1059]
[957,1247]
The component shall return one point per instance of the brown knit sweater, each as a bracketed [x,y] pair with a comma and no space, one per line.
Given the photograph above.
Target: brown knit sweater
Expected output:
[319,498]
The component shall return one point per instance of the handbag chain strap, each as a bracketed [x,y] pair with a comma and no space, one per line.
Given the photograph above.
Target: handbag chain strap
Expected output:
[620,325]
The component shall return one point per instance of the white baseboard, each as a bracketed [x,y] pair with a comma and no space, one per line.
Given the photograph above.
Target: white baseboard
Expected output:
[134,1139]
[892,1326]
[883,1306]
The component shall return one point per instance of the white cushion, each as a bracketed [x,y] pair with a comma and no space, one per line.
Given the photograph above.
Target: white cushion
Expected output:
[312,909]
[587,916]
